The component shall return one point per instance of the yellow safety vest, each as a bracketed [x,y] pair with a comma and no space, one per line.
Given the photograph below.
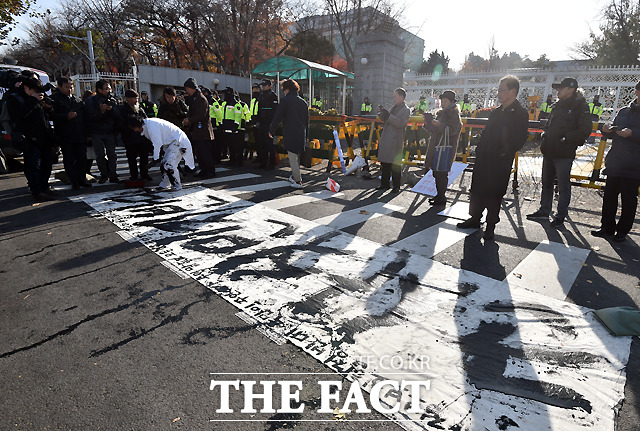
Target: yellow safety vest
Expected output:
[215,112]
[546,107]
[365,107]
[465,106]
[232,112]
[598,110]
[317,103]
[254,107]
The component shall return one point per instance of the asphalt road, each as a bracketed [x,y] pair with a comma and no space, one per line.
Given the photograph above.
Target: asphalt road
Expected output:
[98,334]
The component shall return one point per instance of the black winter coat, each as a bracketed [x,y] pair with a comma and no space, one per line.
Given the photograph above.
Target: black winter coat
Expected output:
[67,130]
[101,123]
[623,158]
[503,136]
[31,119]
[570,119]
[174,112]
[267,106]
[200,127]
[127,114]
[294,112]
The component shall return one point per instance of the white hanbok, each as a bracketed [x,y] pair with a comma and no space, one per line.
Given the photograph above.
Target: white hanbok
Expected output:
[174,142]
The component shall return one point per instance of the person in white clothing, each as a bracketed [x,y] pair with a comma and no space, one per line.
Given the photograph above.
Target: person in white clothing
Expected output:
[173,142]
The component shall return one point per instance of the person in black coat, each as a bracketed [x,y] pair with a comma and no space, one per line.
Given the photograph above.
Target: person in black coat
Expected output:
[568,126]
[102,118]
[294,112]
[30,116]
[503,136]
[68,122]
[622,167]
[267,105]
[171,108]
[136,146]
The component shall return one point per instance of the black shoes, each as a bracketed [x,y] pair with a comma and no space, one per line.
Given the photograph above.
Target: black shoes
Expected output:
[489,232]
[469,224]
[601,233]
[538,215]
[382,187]
[395,190]
[102,180]
[557,222]
[619,237]
[437,201]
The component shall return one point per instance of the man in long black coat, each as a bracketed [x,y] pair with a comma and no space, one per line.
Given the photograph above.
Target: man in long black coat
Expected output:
[504,135]
[68,121]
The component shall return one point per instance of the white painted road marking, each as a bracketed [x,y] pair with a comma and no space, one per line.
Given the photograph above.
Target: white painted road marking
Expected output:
[257,187]
[358,215]
[431,241]
[291,201]
[550,269]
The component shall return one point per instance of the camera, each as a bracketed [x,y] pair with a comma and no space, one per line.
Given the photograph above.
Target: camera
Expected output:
[48,86]
[109,100]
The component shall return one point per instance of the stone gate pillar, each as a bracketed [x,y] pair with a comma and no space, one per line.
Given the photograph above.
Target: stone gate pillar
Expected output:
[381,72]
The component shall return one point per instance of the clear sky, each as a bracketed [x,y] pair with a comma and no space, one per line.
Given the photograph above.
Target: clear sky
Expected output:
[530,28]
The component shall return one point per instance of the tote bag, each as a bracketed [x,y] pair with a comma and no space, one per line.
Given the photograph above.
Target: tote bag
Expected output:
[442,154]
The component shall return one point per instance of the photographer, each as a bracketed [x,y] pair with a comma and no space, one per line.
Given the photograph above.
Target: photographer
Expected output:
[101,119]
[33,134]
[68,119]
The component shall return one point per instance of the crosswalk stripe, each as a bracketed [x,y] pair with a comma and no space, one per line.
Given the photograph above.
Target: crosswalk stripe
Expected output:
[291,201]
[358,215]
[236,177]
[431,241]
[550,269]
[257,187]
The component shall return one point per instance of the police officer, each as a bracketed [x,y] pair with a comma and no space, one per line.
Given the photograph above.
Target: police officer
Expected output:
[422,105]
[252,121]
[267,105]
[365,109]
[465,106]
[150,108]
[596,109]
[545,108]
[229,130]
[317,103]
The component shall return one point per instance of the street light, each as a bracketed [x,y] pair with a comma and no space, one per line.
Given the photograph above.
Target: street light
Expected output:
[91,57]
[216,82]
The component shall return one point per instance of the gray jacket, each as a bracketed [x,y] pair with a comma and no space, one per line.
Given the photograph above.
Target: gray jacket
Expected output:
[392,139]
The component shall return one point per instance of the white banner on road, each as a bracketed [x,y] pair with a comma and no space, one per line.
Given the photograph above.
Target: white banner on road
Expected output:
[499,356]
